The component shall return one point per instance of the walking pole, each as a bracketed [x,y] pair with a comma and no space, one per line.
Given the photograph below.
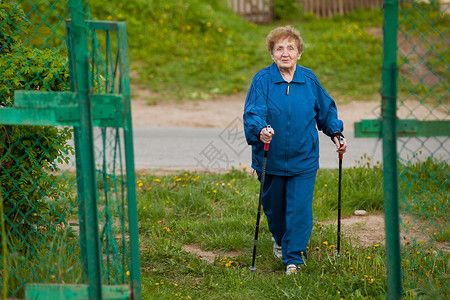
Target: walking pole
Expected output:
[263,174]
[341,155]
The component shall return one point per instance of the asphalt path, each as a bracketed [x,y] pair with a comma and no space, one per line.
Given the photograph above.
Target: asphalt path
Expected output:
[215,149]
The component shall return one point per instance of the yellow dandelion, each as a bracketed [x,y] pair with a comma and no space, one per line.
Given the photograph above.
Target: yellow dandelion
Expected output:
[149,188]
[325,243]
[52,276]
[214,191]
[237,192]
[219,29]
[141,184]
[188,28]
[109,18]
[369,258]
[128,273]
[376,245]
[157,283]
[157,180]
[145,208]
[208,24]
[325,185]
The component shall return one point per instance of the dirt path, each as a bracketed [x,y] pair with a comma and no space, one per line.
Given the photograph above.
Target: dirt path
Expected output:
[221,112]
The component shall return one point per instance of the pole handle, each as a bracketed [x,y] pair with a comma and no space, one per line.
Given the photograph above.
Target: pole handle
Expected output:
[269,129]
[341,142]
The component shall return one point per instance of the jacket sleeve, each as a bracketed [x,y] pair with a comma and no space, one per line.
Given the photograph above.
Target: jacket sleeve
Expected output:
[255,112]
[327,117]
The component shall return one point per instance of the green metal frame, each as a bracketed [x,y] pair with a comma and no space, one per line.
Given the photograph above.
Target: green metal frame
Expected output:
[389,130]
[405,128]
[84,110]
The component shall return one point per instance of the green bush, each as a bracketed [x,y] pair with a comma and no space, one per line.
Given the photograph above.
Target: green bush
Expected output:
[28,154]
[287,10]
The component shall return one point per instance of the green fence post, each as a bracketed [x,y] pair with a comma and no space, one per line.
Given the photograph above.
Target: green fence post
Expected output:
[77,144]
[389,132]
[81,54]
[135,273]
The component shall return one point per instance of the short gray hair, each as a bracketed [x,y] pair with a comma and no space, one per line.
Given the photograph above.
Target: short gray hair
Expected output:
[281,33]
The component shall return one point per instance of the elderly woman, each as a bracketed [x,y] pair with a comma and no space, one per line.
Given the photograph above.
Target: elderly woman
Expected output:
[291,99]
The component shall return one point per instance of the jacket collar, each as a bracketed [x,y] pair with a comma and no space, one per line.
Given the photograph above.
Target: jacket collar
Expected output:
[275,74]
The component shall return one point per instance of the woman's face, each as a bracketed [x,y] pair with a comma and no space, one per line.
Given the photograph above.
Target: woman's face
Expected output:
[285,54]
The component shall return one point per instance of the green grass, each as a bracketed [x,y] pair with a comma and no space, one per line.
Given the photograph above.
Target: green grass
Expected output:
[200,49]
[217,213]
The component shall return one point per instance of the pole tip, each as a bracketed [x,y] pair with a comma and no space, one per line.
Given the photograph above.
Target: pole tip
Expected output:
[252,269]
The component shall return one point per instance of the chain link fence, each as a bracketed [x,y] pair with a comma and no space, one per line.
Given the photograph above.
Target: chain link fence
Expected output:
[424,99]
[53,232]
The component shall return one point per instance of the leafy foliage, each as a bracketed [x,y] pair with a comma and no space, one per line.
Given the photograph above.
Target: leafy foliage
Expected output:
[287,10]
[28,154]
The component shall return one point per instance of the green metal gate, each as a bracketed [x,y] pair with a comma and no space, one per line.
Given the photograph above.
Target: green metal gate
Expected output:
[68,198]
[415,129]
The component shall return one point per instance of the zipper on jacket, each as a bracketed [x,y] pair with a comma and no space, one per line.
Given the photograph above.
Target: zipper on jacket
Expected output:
[287,90]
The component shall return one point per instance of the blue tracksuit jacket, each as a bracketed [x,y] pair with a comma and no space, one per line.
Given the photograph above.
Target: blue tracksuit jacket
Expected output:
[295,111]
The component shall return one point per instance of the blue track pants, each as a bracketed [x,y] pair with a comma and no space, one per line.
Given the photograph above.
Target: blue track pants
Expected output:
[287,204]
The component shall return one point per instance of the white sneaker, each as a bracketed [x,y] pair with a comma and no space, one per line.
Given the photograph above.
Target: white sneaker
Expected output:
[277,253]
[291,269]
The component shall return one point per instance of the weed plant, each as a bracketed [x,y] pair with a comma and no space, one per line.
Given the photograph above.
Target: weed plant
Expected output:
[217,213]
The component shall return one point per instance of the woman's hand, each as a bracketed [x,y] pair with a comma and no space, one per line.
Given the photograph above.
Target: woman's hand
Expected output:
[265,135]
[340,148]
